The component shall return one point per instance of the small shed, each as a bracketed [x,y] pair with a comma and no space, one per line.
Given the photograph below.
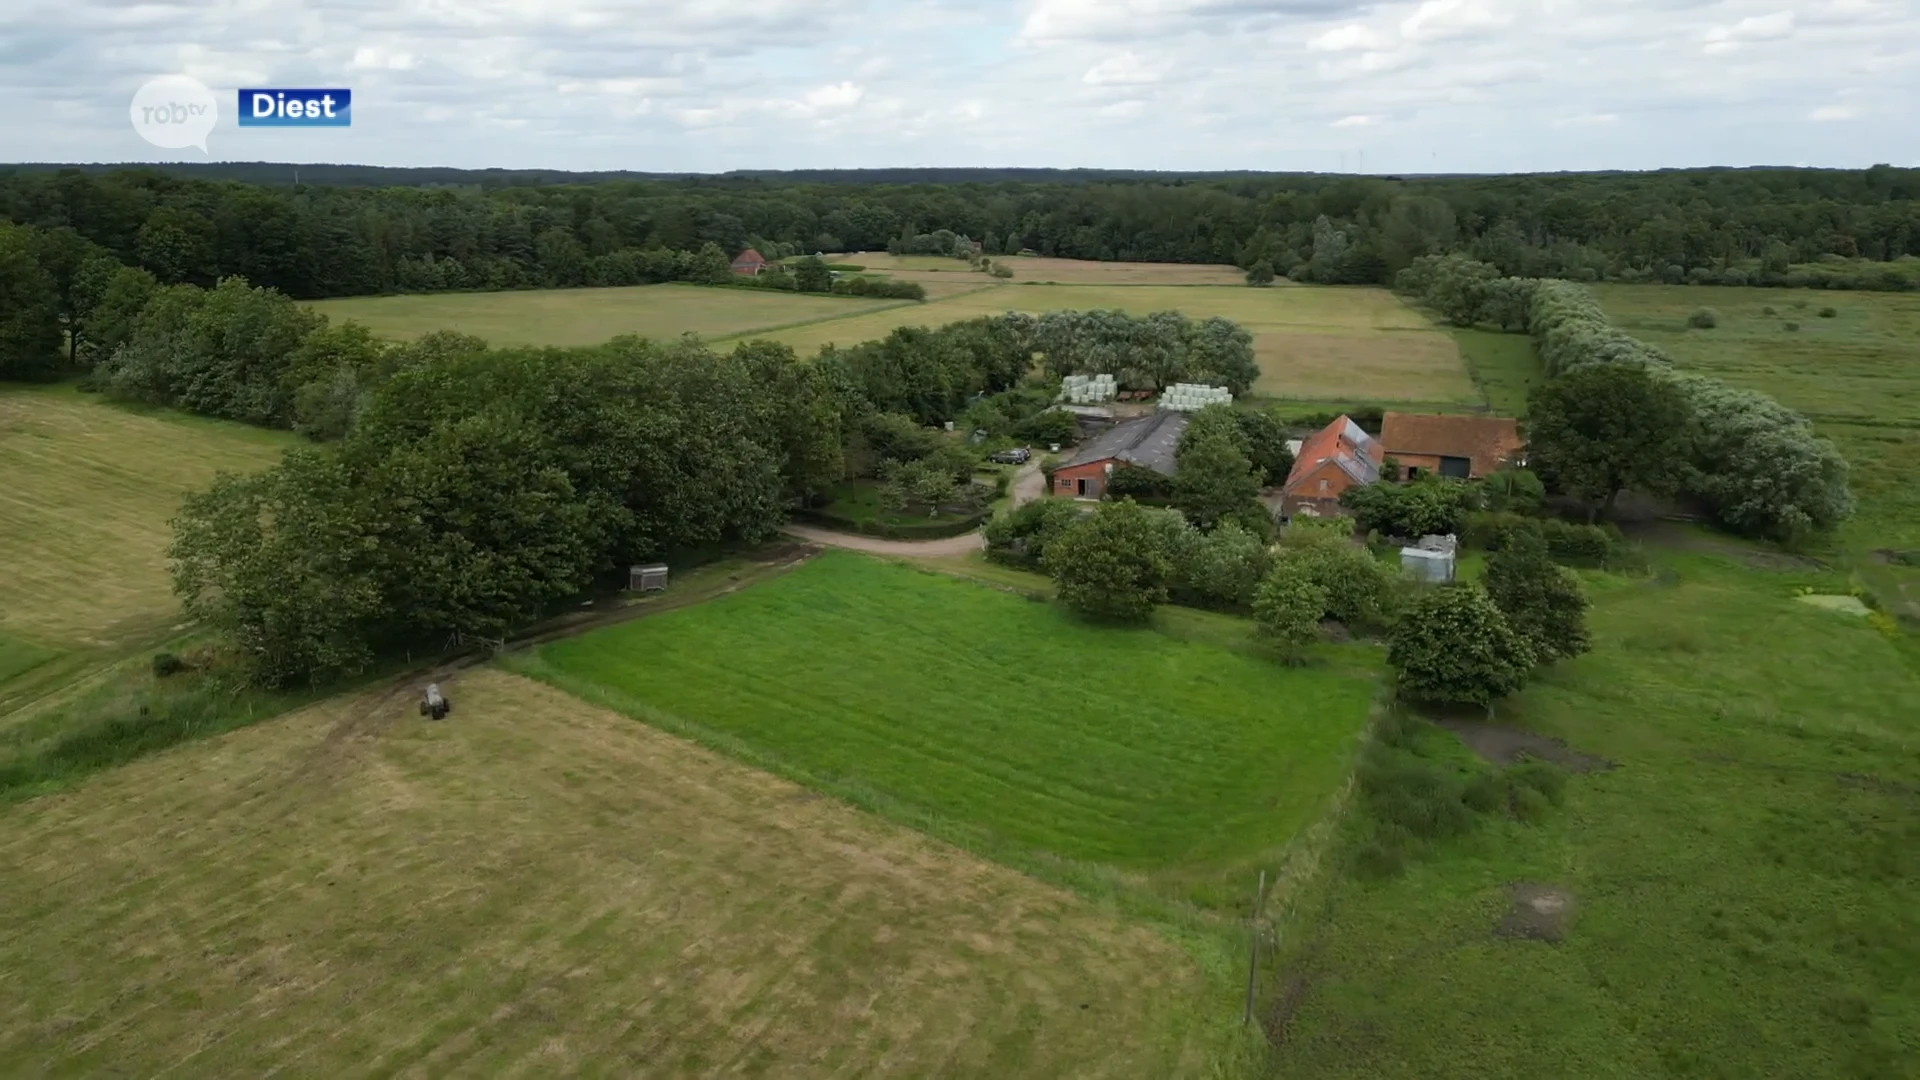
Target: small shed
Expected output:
[647,577]
[1427,564]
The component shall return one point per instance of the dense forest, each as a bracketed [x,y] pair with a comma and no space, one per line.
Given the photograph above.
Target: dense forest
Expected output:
[350,230]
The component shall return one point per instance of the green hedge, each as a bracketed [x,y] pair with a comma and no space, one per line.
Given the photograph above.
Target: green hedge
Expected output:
[1578,545]
[929,530]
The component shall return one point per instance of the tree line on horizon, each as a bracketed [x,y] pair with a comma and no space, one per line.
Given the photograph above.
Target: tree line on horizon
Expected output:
[1807,227]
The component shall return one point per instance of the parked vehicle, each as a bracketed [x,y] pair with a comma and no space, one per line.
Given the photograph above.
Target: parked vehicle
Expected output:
[1019,455]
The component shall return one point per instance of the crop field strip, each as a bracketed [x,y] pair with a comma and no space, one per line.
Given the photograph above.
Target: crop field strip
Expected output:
[566,317]
[538,887]
[994,721]
[84,512]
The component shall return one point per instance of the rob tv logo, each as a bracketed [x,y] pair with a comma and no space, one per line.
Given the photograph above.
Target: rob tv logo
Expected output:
[296,108]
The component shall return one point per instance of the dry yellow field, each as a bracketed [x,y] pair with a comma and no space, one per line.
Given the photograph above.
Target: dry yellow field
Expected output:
[88,492]
[538,887]
[1313,344]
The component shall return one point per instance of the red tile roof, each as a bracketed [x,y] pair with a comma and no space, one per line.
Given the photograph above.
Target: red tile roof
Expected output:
[749,257]
[1343,443]
[1485,440]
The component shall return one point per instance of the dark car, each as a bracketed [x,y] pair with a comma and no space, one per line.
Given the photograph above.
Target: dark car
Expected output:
[1016,456]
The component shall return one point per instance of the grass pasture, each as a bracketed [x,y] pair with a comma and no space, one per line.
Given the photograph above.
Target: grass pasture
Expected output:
[1094,755]
[1742,880]
[84,511]
[566,317]
[1856,375]
[541,888]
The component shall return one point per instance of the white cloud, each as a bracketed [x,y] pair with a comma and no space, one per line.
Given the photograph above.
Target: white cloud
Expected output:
[839,95]
[1723,39]
[1124,69]
[1178,84]
[1438,19]
[1346,38]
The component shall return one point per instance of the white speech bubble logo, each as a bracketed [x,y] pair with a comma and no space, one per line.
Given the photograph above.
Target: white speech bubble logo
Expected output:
[174,112]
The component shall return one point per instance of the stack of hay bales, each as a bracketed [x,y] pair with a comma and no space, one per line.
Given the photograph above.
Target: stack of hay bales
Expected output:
[1189,397]
[1088,389]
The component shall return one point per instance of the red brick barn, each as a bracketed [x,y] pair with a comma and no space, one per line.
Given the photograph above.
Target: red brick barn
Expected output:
[749,262]
[1146,443]
[1335,458]
[1464,447]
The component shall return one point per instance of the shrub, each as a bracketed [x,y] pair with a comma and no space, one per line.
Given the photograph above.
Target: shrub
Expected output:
[1288,609]
[1513,490]
[1021,538]
[1453,646]
[1768,310]
[1049,427]
[1430,505]
[1112,565]
[1224,567]
[1132,481]
[1790,326]
[1703,319]
[165,664]
[1358,587]
[1828,313]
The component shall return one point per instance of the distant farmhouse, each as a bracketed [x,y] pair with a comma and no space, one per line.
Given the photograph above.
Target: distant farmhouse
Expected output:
[750,263]
[1464,447]
[1146,443]
[1335,458]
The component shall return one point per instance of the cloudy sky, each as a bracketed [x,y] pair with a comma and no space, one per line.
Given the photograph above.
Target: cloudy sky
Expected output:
[709,85]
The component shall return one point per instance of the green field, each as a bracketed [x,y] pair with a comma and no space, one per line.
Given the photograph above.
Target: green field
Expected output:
[999,723]
[1742,881]
[591,316]
[84,513]
[1856,375]
[542,888]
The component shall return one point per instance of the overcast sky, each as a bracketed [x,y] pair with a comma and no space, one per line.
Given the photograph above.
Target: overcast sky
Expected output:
[709,85]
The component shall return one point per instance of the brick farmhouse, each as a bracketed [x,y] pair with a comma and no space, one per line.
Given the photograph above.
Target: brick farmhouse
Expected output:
[750,262]
[1146,443]
[1330,461]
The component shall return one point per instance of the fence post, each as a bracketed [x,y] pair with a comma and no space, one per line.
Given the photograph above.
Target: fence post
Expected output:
[1253,946]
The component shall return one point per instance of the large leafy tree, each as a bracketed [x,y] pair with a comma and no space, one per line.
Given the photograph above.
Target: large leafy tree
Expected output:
[1224,567]
[1214,482]
[29,310]
[1428,506]
[1603,428]
[1360,590]
[1542,601]
[1113,564]
[1454,647]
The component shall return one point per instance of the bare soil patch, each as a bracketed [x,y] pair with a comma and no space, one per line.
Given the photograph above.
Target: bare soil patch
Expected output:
[1505,745]
[1539,913]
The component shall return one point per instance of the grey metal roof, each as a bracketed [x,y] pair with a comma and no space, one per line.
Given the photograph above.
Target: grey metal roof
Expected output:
[1148,442]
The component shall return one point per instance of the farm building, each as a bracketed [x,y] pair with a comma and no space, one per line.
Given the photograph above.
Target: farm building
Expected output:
[1467,447]
[1147,443]
[750,263]
[1333,459]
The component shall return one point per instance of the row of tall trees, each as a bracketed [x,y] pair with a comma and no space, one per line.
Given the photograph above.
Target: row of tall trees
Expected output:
[1842,228]
[1615,415]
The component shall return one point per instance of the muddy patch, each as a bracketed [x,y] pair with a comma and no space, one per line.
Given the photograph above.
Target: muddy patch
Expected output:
[1539,913]
[1504,746]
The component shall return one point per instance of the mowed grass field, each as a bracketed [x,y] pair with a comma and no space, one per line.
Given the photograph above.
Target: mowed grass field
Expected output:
[996,722]
[1742,880]
[542,888]
[1313,344]
[568,317]
[84,509]
[1856,375]
[1039,268]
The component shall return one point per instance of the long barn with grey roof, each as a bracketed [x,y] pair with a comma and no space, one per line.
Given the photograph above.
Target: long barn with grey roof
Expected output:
[1146,443]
